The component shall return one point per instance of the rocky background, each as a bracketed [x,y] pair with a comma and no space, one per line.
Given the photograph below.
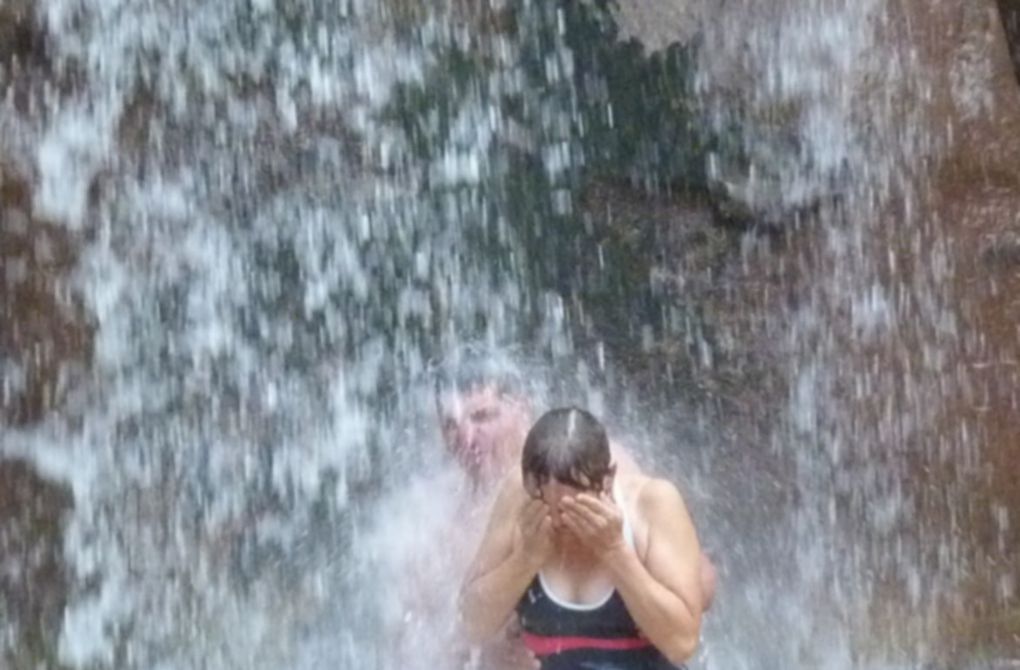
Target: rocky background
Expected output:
[744,282]
[698,284]
[1011,22]
[45,343]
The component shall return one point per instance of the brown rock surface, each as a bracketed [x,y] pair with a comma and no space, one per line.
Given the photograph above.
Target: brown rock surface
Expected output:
[657,24]
[45,336]
[26,72]
[20,42]
[953,387]
[1010,10]
[44,339]
[942,411]
[976,206]
[33,582]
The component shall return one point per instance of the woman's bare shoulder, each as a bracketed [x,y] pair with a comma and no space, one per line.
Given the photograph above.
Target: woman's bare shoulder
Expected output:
[649,496]
[656,493]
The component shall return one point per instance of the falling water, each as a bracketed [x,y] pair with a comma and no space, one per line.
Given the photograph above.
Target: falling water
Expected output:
[838,127]
[285,210]
[279,229]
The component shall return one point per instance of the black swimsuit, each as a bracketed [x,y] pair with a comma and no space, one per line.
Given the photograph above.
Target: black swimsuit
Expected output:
[580,637]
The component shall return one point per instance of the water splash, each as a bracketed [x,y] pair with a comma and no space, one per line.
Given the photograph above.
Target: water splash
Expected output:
[270,256]
[287,208]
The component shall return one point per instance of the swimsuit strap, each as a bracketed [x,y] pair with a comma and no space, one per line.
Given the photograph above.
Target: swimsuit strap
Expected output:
[628,529]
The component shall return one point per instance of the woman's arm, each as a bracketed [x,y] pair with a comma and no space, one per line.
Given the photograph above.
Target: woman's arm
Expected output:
[516,543]
[663,591]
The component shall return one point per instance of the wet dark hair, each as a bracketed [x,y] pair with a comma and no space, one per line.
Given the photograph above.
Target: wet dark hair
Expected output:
[569,445]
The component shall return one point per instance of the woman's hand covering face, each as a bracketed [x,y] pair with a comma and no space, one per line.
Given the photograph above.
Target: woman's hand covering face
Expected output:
[534,535]
[596,520]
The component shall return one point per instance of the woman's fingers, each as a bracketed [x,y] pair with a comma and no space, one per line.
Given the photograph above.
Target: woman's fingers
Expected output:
[580,524]
[534,513]
[596,505]
[595,515]
[571,522]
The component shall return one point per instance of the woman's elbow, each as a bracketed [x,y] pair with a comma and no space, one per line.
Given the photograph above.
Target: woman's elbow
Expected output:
[680,649]
[474,634]
[475,626]
[476,631]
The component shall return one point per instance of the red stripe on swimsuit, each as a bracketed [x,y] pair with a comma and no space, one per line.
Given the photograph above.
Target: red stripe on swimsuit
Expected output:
[543,645]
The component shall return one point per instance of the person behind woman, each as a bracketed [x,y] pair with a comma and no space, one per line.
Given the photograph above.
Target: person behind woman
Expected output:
[602,568]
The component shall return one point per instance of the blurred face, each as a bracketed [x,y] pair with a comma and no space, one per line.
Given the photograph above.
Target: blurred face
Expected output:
[483,429]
